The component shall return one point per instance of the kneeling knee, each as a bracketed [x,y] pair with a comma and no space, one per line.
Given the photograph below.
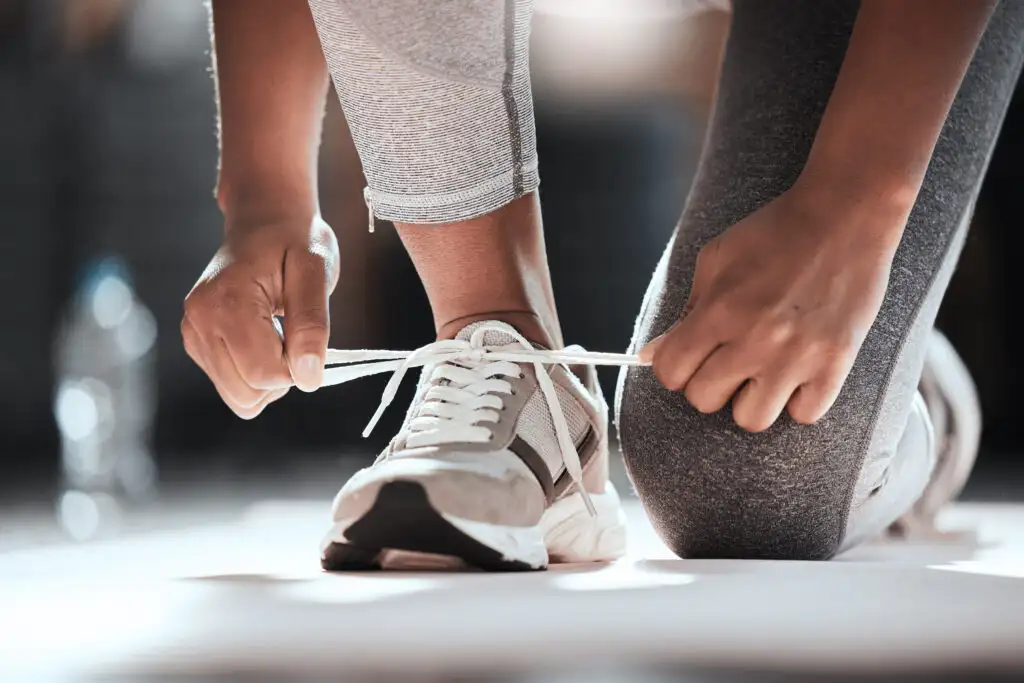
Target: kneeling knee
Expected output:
[715,491]
[727,535]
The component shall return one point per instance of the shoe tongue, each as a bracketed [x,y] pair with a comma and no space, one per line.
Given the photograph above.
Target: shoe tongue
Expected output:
[497,334]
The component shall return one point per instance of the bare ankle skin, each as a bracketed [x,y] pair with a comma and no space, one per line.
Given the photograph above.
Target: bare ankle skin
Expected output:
[493,267]
[527,322]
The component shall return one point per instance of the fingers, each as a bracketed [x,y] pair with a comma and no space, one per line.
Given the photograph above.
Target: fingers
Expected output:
[760,402]
[307,318]
[762,386]
[234,343]
[676,355]
[229,379]
[763,373]
[814,398]
[213,358]
[228,327]
[255,348]
[254,411]
[800,382]
[718,378]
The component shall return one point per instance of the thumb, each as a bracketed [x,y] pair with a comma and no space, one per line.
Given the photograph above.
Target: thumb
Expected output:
[306,317]
[650,350]
[647,353]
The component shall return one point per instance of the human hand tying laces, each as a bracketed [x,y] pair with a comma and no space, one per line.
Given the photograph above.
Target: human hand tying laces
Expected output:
[780,305]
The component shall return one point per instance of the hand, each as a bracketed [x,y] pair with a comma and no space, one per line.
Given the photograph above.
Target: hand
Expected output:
[263,270]
[780,305]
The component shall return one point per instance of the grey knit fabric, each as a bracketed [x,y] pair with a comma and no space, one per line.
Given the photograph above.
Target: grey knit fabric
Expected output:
[711,489]
[437,96]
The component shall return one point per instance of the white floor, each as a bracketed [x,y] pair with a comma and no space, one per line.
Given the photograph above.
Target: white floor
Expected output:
[247,599]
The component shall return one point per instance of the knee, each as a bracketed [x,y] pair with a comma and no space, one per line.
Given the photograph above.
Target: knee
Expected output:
[713,490]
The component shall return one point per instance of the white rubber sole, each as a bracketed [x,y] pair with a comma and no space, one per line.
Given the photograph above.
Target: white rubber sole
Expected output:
[566,533]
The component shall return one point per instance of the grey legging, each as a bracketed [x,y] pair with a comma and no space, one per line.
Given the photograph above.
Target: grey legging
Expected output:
[711,489]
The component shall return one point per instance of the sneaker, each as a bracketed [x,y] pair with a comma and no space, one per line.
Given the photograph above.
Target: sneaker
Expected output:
[955,411]
[501,462]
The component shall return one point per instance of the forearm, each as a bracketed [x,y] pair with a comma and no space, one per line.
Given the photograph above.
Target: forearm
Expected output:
[271,86]
[903,67]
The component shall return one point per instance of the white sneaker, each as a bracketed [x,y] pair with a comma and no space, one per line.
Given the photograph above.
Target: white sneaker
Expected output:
[955,412]
[501,463]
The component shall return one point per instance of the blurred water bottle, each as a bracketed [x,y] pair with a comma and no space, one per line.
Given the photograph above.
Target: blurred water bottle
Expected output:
[105,402]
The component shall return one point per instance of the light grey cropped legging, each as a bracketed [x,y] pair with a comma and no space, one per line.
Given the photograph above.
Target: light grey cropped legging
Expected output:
[437,96]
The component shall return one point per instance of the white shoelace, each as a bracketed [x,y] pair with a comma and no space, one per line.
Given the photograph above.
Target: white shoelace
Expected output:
[457,410]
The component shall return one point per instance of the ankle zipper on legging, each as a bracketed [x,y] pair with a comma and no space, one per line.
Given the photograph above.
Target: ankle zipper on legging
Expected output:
[369,206]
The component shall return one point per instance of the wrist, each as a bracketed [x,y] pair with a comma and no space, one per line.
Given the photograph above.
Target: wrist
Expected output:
[854,210]
[861,171]
[266,203]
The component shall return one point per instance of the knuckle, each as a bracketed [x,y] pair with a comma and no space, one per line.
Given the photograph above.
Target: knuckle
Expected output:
[778,332]
[314,263]
[668,378]
[842,343]
[809,403]
[247,398]
[251,413]
[228,297]
[836,366]
[750,421]
[211,304]
[835,370]
[246,412]
[719,310]
[191,347]
[700,398]
[831,352]
[817,347]
[803,413]
[187,331]
[265,375]
[195,304]
[309,322]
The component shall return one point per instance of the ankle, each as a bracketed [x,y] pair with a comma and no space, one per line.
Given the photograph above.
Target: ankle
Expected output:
[529,323]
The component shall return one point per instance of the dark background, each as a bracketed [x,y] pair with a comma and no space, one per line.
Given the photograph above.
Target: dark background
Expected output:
[107,146]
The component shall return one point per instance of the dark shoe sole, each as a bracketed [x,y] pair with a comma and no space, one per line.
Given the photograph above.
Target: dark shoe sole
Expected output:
[402,518]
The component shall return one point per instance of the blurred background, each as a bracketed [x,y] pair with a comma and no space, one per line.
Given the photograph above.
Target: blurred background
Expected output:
[107,169]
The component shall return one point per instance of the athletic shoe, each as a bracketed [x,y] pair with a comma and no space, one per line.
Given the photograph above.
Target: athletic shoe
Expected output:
[955,411]
[501,462]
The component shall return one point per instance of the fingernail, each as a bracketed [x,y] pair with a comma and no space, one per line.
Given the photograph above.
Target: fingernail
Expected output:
[308,372]
[646,354]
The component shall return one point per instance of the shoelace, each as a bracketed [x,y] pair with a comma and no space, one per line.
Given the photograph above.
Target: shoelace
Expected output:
[452,412]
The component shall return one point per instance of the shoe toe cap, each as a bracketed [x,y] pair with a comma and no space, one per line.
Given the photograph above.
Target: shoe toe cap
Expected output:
[494,488]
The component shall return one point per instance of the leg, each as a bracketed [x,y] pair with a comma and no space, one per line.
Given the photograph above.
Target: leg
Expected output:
[442,116]
[499,463]
[805,492]
[489,268]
